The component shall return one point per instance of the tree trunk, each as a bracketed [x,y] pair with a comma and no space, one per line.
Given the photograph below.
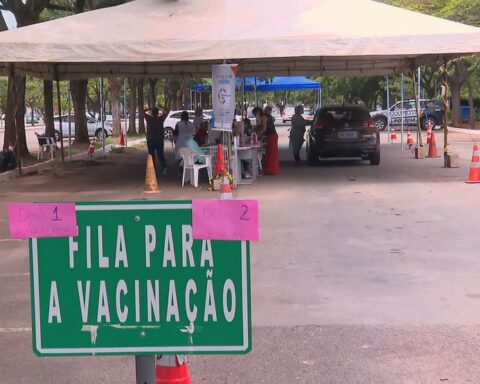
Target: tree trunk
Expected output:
[48,100]
[455,92]
[141,104]
[152,94]
[132,107]
[115,88]
[471,105]
[22,149]
[9,135]
[78,89]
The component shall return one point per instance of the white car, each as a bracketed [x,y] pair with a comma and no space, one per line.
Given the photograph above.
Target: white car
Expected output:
[94,127]
[288,112]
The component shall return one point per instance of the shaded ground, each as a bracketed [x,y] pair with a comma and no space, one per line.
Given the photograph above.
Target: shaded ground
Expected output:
[363,274]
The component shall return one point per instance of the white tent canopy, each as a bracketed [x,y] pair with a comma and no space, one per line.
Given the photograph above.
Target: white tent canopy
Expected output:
[166,38]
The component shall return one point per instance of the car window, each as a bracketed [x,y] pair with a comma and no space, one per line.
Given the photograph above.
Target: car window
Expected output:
[398,106]
[176,115]
[191,116]
[344,114]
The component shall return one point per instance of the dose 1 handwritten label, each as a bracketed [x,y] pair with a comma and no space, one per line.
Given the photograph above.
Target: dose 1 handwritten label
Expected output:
[34,220]
[225,219]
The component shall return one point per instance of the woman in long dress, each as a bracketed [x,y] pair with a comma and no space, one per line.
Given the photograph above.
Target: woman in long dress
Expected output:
[271,162]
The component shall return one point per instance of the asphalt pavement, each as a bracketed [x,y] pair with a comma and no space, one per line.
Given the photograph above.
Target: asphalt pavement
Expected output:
[363,274]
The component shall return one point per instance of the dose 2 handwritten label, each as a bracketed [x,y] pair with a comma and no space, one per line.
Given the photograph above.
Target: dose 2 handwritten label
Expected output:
[225,219]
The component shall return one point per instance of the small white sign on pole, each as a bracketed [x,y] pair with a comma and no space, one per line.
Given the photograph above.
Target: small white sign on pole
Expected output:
[223,96]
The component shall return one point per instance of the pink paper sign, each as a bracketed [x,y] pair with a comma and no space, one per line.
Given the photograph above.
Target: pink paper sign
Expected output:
[42,220]
[225,219]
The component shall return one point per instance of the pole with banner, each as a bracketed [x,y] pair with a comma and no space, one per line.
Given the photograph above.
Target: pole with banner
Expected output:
[223,103]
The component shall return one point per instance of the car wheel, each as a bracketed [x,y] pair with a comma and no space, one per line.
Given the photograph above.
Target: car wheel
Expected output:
[98,133]
[168,134]
[381,123]
[375,159]
[57,135]
[427,120]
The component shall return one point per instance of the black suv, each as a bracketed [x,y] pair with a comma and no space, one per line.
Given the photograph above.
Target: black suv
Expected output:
[431,111]
[343,131]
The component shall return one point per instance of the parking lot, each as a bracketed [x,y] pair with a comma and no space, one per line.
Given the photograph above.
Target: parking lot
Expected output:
[363,273]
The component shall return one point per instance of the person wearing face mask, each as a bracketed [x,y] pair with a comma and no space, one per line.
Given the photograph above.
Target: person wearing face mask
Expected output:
[297,132]
[271,162]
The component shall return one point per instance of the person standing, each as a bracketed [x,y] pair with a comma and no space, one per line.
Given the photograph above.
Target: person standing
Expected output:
[155,135]
[271,161]
[297,132]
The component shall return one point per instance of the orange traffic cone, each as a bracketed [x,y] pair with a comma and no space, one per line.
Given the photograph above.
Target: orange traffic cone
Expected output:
[225,188]
[429,132]
[432,148]
[474,175]
[393,135]
[122,140]
[167,373]
[151,185]
[220,160]
[410,141]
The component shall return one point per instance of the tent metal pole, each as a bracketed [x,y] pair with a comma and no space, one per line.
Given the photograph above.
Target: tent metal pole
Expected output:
[125,130]
[445,115]
[59,97]
[419,77]
[69,95]
[417,107]
[102,116]
[402,91]
[321,94]
[388,108]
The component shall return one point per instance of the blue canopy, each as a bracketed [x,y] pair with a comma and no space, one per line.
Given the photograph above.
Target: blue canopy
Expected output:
[287,83]
[292,83]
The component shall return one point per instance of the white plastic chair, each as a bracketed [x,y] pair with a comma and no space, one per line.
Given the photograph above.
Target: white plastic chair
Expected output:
[189,157]
[46,143]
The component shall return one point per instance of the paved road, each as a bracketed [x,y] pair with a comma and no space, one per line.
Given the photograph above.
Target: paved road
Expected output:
[363,274]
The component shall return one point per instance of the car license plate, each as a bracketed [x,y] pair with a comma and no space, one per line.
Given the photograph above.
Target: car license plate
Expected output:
[348,135]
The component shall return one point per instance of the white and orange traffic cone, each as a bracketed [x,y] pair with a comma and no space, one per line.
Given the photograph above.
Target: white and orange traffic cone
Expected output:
[429,132]
[225,188]
[410,141]
[172,369]
[393,135]
[432,148]
[474,175]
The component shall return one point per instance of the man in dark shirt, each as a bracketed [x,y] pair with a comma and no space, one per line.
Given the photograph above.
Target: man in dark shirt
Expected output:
[155,135]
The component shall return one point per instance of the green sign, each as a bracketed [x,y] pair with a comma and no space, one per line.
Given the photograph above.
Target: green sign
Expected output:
[135,282]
